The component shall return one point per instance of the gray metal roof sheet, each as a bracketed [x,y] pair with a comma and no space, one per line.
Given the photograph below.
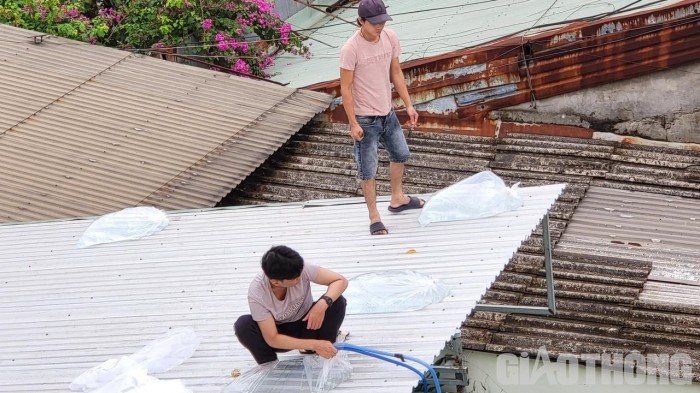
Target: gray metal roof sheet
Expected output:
[85,130]
[429,28]
[625,280]
[64,310]
[647,227]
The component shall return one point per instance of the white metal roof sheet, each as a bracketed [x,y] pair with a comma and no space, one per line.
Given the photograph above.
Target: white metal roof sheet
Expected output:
[433,27]
[64,310]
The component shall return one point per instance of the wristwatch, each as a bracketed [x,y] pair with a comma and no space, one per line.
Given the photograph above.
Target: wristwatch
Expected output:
[327,299]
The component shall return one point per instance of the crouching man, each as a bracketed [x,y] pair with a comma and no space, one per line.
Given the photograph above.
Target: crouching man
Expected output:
[283,315]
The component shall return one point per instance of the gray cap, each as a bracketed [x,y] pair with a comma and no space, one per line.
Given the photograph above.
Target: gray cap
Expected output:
[373,11]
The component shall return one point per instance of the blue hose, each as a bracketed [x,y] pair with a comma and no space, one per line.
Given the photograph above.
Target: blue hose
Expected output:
[386,359]
[387,356]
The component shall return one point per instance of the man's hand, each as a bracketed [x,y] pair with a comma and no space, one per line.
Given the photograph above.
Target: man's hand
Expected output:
[325,349]
[356,132]
[314,318]
[412,116]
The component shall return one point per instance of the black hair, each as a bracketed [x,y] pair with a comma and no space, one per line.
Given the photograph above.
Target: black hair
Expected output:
[282,263]
[360,20]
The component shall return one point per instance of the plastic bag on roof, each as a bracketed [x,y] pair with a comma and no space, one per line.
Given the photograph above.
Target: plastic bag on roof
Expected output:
[139,382]
[481,195]
[160,386]
[126,224]
[167,351]
[277,376]
[125,382]
[324,375]
[393,291]
[304,374]
[105,373]
[131,372]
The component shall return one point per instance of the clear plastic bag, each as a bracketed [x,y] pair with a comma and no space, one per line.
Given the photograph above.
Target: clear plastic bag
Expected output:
[481,195]
[131,372]
[286,376]
[168,350]
[160,386]
[105,373]
[324,375]
[304,374]
[126,224]
[139,382]
[125,382]
[393,291]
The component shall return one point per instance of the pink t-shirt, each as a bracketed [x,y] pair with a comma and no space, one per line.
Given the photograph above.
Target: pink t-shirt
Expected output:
[296,303]
[370,63]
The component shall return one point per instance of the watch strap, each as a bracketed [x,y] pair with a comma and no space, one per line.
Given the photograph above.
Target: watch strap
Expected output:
[327,299]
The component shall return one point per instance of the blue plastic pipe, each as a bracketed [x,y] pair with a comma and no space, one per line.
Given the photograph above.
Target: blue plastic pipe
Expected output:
[389,357]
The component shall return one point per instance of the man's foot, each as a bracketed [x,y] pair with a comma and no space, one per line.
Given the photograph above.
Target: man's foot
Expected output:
[413,203]
[378,228]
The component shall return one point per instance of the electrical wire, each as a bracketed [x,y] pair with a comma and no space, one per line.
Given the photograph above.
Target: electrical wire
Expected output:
[197,45]
[421,41]
[468,11]
[418,42]
[536,57]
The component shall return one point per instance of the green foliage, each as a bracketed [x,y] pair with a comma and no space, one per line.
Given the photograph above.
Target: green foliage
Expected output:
[235,34]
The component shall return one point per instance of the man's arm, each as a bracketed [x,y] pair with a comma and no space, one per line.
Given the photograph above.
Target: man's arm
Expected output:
[336,286]
[346,77]
[399,82]
[274,339]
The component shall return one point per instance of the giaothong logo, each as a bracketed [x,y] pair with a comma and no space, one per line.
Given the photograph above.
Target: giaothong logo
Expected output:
[595,368]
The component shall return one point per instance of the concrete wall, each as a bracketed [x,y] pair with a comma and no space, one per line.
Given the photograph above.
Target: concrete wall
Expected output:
[663,106]
[524,375]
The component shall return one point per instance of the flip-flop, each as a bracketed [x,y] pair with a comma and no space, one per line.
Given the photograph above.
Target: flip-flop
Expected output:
[377,227]
[413,203]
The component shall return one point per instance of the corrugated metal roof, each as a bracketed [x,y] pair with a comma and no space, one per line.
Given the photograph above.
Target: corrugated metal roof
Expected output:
[65,309]
[445,26]
[647,227]
[86,130]
[625,275]
[317,163]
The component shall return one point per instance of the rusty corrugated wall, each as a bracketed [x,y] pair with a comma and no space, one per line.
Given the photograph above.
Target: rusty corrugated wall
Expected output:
[456,91]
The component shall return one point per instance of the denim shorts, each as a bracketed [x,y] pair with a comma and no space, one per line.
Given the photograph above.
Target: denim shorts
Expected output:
[379,130]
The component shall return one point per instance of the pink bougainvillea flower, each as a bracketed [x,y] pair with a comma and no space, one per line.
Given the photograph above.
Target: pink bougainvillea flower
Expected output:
[241,66]
[207,24]
[222,45]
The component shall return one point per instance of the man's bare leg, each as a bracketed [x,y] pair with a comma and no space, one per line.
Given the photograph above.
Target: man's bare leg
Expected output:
[369,190]
[398,198]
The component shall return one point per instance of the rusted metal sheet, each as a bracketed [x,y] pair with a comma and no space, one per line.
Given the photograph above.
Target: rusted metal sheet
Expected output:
[519,69]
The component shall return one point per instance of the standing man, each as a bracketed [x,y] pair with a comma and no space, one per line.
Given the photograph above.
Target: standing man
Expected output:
[369,63]
[283,315]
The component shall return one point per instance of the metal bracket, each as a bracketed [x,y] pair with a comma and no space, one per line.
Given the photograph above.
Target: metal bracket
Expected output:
[551,306]
[39,39]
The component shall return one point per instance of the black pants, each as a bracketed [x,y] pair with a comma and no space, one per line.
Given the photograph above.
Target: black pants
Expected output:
[250,336]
